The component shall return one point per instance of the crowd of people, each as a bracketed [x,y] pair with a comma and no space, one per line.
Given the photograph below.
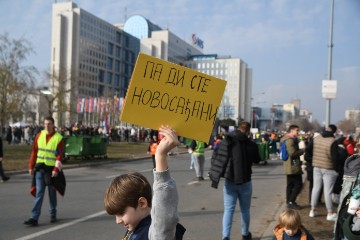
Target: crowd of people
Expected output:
[27,134]
[324,156]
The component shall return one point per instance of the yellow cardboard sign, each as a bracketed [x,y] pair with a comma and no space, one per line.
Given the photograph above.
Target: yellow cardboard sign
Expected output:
[164,93]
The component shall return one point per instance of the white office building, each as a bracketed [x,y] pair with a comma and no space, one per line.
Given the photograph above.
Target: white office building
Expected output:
[158,42]
[93,58]
[353,115]
[163,44]
[89,58]
[236,102]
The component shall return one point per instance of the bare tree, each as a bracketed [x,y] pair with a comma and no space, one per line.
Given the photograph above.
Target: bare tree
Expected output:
[15,78]
[347,126]
[62,100]
[303,124]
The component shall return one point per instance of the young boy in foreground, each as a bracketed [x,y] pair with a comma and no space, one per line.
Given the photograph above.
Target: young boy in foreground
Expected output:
[290,227]
[146,215]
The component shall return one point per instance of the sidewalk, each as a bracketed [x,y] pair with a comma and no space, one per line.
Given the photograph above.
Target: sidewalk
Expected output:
[319,227]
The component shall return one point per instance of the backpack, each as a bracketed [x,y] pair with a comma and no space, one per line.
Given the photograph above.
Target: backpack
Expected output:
[284,155]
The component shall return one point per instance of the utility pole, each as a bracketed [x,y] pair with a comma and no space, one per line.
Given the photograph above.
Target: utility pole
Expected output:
[328,101]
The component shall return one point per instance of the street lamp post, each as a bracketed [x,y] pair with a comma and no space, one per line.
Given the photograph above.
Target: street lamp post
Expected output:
[46,93]
[328,101]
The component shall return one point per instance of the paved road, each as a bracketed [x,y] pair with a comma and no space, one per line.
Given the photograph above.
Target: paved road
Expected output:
[82,216]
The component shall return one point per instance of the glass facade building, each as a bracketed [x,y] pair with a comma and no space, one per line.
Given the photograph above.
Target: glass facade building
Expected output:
[90,57]
[140,27]
[98,59]
[236,102]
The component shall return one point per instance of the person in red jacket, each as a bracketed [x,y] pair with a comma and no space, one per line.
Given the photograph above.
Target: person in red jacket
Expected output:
[350,145]
[45,164]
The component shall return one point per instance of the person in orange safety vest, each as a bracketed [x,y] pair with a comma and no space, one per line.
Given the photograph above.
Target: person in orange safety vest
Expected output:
[152,148]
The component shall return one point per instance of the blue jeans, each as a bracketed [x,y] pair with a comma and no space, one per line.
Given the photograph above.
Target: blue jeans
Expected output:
[232,192]
[40,192]
[323,178]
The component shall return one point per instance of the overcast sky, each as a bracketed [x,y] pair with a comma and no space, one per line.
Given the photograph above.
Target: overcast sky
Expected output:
[285,42]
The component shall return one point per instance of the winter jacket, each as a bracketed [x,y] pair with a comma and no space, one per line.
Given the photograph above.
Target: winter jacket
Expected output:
[325,152]
[302,234]
[292,165]
[142,230]
[233,159]
[163,222]
[58,182]
[350,146]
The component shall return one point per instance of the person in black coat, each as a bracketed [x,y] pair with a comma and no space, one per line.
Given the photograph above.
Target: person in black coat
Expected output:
[233,161]
[9,135]
[4,178]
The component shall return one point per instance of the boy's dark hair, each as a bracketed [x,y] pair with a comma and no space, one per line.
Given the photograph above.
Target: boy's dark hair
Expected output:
[244,127]
[293,126]
[51,119]
[125,191]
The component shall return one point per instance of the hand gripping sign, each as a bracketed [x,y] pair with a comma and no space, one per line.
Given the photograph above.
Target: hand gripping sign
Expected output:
[164,93]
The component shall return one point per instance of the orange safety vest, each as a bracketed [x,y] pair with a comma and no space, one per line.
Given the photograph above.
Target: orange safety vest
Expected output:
[279,234]
[153,147]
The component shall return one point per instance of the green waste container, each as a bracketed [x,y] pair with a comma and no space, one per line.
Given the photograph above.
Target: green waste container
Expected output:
[187,142]
[98,146]
[264,151]
[77,146]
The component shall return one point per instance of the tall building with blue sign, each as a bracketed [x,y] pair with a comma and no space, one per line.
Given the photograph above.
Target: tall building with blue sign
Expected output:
[158,42]
[89,58]
[93,58]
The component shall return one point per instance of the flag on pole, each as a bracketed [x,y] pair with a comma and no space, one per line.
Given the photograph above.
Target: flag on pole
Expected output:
[107,106]
[111,105]
[95,105]
[99,104]
[103,103]
[91,104]
[106,125]
[82,104]
[116,103]
[79,105]
[121,103]
[86,105]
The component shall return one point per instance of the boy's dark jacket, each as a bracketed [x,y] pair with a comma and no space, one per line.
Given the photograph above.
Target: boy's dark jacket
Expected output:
[233,159]
[142,230]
